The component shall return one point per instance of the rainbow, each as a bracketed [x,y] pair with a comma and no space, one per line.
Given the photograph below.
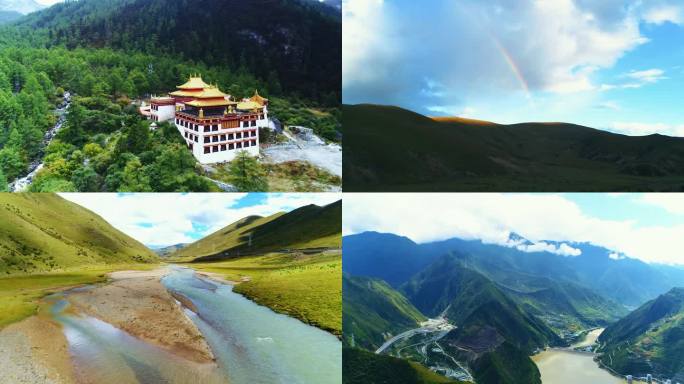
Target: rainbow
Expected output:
[513,66]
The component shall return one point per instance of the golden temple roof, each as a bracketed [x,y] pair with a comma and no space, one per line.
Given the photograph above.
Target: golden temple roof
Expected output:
[195,82]
[249,105]
[211,92]
[184,93]
[257,98]
[209,103]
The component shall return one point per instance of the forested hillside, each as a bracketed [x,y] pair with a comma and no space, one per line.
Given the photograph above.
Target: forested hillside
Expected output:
[109,54]
[296,44]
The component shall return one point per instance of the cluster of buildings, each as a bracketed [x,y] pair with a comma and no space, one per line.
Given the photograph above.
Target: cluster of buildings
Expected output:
[649,379]
[215,126]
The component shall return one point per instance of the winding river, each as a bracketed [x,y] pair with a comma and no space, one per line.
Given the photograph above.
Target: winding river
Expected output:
[22,184]
[252,344]
[565,366]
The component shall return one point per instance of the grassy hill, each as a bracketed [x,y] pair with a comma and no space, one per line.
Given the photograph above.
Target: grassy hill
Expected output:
[371,309]
[44,232]
[388,148]
[48,243]
[308,227]
[362,367]
[648,340]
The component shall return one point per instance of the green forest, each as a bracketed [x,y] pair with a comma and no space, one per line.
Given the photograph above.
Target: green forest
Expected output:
[107,57]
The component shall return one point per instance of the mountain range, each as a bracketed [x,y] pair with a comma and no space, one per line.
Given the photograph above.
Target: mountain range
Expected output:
[506,303]
[626,281]
[44,232]
[389,148]
[648,340]
[307,229]
[22,7]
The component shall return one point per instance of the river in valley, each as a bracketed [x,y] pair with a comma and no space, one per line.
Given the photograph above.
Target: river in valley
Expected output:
[565,366]
[251,343]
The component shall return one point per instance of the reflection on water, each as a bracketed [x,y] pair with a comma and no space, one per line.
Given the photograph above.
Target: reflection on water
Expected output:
[561,366]
[254,344]
[104,354]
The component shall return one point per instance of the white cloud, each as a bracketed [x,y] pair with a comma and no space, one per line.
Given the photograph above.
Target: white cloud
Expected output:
[673,203]
[642,129]
[637,79]
[563,249]
[663,14]
[616,256]
[492,217]
[647,76]
[476,47]
[164,218]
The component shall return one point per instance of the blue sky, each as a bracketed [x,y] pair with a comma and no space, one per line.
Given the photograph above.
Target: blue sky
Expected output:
[163,219]
[649,227]
[616,65]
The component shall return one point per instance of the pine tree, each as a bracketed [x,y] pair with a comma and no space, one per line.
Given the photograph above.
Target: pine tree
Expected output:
[247,174]
[3,182]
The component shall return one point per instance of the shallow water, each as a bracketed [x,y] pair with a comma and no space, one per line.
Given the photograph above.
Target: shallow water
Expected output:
[252,343]
[104,354]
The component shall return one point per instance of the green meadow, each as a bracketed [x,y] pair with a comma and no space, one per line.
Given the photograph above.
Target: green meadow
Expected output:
[307,287]
[20,294]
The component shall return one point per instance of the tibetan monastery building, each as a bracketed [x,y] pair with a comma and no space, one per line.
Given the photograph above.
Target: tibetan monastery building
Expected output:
[213,125]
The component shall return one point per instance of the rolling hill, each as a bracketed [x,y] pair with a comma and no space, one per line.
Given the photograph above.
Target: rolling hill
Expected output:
[371,309]
[44,232]
[648,340]
[306,228]
[388,148]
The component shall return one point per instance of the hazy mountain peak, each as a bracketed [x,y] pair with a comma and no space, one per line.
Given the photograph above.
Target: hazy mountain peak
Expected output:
[21,6]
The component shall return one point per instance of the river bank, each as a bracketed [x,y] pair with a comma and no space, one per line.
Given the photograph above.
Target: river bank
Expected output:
[38,349]
[168,325]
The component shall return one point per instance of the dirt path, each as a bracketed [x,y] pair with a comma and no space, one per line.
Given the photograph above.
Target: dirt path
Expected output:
[34,351]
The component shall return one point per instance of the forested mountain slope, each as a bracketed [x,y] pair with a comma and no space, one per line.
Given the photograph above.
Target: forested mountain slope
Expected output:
[294,43]
[371,309]
[648,340]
